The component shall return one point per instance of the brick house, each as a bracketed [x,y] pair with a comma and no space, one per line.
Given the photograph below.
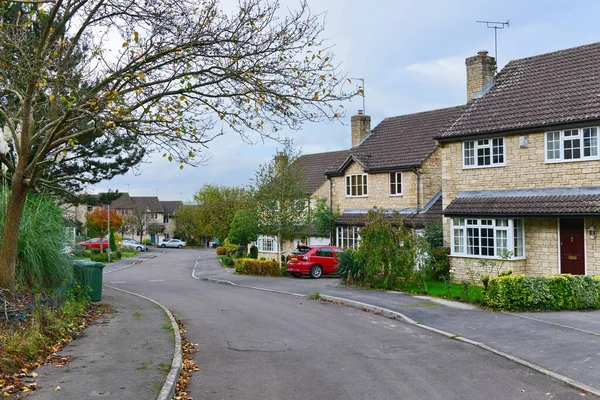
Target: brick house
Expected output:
[520,167]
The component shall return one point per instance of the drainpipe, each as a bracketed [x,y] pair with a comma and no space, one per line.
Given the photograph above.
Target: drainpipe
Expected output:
[418,172]
[330,209]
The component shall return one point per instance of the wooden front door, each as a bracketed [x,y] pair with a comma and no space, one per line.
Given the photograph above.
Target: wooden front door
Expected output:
[572,247]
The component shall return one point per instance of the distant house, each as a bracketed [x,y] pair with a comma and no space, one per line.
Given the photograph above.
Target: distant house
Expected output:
[521,164]
[169,210]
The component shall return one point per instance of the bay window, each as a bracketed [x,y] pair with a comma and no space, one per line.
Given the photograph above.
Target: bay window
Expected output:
[487,237]
[347,237]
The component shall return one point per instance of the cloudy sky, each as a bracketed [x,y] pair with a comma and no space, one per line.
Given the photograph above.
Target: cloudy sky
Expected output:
[410,54]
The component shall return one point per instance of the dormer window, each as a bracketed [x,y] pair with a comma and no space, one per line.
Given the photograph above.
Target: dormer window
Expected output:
[483,153]
[356,185]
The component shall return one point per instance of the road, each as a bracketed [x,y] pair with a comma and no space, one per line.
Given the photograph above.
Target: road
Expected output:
[262,345]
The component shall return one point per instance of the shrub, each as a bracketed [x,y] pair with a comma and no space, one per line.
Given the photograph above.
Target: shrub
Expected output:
[437,264]
[147,241]
[227,261]
[87,253]
[230,247]
[221,251]
[111,242]
[100,257]
[253,252]
[556,292]
[250,266]
[352,268]
[41,264]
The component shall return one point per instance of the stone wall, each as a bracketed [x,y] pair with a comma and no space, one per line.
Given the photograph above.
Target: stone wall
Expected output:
[525,169]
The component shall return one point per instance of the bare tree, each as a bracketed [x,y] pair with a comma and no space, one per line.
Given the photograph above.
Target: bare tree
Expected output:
[88,87]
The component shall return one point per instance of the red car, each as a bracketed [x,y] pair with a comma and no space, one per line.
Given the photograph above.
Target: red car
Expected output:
[313,261]
[93,244]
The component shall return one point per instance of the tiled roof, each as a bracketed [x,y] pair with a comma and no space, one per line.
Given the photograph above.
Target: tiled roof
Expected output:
[550,89]
[147,203]
[123,202]
[171,207]
[314,166]
[401,142]
[412,219]
[524,206]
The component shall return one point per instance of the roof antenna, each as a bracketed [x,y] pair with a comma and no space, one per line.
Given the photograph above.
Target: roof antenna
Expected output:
[495,26]
[361,92]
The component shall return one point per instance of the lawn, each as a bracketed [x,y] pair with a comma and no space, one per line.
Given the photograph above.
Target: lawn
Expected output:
[453,291]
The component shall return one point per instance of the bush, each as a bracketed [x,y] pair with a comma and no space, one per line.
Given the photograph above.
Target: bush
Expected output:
[41,263]
[221,251]
[556,292]
[230,248]
[147,241]
[253,252]
[352,268]
[437,264]
[111,242]
[87,253]
[227,261]
[100,257]
[250,266]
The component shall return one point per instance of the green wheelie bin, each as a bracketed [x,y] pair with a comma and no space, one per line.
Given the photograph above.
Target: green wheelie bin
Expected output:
[89,275]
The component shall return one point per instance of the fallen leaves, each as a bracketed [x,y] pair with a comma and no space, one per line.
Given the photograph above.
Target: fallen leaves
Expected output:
[188,367]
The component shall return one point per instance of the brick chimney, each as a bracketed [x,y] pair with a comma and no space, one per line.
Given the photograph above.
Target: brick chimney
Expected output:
[360,125]
[480,70]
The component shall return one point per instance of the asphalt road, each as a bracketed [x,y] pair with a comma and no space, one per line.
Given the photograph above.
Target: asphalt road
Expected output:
[261,345]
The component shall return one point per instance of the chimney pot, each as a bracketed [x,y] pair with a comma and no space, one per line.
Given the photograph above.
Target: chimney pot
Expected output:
[482,52]
[360,112]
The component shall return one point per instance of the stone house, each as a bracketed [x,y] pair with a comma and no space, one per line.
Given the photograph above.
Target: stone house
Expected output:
[520,167]
[395,167]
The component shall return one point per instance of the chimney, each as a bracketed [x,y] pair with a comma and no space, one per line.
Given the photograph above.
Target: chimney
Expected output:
[480,70]
[281,161]
[360,126]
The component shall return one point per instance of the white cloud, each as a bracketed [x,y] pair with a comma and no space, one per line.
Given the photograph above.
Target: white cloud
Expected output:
[450,69]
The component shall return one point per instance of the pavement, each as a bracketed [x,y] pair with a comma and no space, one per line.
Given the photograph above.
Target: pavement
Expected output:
[131,353]
[143,359]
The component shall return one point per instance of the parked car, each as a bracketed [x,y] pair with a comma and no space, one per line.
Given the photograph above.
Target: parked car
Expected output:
[133,244]
[313,261]
[173,243]
[93,244]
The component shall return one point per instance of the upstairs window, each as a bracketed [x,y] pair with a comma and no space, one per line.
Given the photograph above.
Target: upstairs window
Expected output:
[395,183]
[483,153]
[356,185]
[572,144]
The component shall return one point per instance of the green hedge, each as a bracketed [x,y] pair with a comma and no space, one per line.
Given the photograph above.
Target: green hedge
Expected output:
[555,292]
[227,261]
[250,266]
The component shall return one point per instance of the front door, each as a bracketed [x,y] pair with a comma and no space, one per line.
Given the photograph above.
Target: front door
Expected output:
[572,247]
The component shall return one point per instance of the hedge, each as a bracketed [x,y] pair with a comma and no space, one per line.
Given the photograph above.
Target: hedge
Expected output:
[227,261]
[555,292]
[221,251]
[250,266]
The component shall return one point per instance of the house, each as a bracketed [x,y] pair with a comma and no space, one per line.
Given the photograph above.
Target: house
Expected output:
[395,167]
[169,210]
[520,167]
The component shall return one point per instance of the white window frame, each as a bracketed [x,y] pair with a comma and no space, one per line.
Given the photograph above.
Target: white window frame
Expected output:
[347,236]
[566,135]
[266,244]
[493,145]
[398,179]
[364,185]
[509,231]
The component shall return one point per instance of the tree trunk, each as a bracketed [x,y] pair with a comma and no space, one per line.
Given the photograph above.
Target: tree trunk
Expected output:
[10,235]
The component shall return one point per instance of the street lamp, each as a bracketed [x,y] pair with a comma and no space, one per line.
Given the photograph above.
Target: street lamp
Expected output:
[146,221]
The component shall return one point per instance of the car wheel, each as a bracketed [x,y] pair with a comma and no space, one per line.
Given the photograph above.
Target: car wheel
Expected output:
[163,245]
[316,271]
[84,247]
[180,247]
[139,248]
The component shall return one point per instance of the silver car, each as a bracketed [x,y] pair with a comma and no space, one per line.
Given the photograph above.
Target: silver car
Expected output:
[173,243]
[134,244]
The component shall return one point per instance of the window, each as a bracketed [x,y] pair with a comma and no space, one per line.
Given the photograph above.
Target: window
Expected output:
[487,237]
[324,252]
[395,183]
[483,153]
[572,144]
[356,185]
[266,244]
[166,218]
[347,236]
